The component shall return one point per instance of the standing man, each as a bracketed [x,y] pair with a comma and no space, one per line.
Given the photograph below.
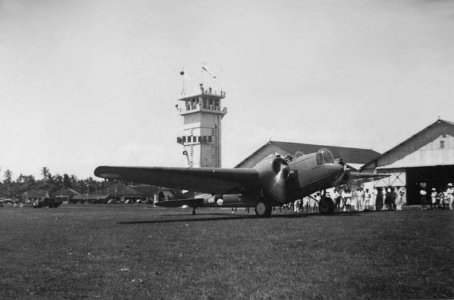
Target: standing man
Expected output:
[367,196]
[400,199]
[337,199]
[379,200]
[433,198]
[388,198]
[423,196]
[450,195]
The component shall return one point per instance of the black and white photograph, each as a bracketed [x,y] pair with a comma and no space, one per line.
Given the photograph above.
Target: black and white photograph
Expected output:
[214,149]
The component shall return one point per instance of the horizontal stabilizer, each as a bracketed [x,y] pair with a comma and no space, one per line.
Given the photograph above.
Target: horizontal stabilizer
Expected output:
[365,177]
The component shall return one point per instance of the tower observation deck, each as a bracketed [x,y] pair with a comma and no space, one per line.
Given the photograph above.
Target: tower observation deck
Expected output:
[202,115]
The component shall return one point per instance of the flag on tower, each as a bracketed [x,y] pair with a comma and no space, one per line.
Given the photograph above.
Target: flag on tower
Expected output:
[206,70]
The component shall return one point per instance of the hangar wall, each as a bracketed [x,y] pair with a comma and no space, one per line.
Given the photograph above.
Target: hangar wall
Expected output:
[426,157]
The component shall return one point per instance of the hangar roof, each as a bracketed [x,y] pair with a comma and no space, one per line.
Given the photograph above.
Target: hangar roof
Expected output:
[66,192]
[395,157]
[349,155]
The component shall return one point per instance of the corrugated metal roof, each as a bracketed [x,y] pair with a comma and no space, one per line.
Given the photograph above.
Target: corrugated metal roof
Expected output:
[90,197]
[66,192]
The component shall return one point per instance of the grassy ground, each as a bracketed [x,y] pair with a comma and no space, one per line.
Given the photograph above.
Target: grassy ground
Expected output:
[142,252]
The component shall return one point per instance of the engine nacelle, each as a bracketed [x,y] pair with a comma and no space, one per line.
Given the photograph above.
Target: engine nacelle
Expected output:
[274,173]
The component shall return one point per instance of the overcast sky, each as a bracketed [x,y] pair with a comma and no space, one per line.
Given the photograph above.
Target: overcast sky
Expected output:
[91,82]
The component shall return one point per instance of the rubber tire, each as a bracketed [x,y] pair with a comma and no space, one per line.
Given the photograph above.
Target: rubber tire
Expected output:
[263,209]
[326,206]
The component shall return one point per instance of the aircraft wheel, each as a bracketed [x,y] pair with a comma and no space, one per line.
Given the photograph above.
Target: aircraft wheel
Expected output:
[263,209]
[326,206]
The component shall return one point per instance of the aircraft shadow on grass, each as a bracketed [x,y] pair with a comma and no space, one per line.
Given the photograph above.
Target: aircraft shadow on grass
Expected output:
[225,217]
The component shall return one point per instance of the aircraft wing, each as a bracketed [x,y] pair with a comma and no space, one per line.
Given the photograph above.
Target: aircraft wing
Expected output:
[205,180]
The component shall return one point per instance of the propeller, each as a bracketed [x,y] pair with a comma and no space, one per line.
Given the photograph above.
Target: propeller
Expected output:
[278,189]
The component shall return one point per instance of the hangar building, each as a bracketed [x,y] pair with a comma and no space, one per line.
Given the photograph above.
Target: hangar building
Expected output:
[354,157]
[426,157]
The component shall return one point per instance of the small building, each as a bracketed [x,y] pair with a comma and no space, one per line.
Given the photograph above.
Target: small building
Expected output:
[35,195]
[65,194]
[354,157]
[425,158]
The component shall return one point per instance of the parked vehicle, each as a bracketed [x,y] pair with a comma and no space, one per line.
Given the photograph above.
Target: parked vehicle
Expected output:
[50,202]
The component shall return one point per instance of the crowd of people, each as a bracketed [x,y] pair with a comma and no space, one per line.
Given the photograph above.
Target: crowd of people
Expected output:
[380,198]
[438,198]
[346,199]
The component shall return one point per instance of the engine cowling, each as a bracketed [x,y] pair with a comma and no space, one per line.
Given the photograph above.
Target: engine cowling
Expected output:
[274,173]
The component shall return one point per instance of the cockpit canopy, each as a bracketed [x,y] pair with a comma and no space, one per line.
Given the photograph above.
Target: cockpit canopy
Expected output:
[324,156]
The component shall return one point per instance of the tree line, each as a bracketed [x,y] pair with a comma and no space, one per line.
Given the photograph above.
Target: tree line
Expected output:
[53,183]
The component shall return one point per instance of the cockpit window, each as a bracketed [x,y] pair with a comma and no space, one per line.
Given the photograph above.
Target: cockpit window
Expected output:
[324,156]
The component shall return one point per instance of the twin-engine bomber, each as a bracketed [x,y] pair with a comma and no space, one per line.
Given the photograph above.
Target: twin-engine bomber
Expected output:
[274,181]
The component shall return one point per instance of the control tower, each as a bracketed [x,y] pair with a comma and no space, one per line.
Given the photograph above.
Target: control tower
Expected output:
[201,139]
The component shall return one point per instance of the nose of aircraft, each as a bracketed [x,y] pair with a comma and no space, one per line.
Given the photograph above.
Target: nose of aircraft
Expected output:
[336,169]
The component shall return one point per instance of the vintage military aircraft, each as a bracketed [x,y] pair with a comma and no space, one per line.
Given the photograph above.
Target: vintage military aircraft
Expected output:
[272,182]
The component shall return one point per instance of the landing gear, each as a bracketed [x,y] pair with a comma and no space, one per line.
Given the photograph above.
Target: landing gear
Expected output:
[326,206]
[263,209]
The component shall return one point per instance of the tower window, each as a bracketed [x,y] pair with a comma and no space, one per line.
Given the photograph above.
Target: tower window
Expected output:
[204,139]
[184,139]
[442,144]
[200,139]
[210,139]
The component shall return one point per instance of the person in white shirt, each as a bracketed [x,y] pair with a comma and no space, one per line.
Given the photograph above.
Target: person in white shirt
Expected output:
[400,199]
[347,195]
[359,195]
[433,198]
[367,198]
[450,195]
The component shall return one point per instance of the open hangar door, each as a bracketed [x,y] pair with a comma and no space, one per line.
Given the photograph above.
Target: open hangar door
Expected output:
[434,177]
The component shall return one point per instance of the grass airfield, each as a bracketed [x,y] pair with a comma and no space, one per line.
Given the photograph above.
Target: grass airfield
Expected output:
[136,252]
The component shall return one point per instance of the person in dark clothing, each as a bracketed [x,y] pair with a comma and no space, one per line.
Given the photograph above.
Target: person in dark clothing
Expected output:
[379,200]
[423,195]
[393,198]
[388,198]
